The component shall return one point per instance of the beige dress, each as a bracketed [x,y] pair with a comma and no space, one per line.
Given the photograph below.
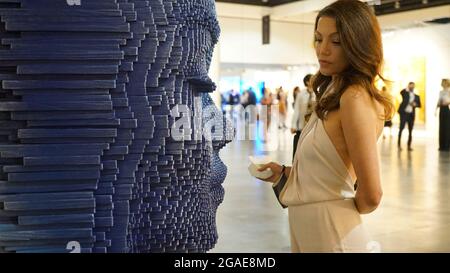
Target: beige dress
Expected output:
[320,197]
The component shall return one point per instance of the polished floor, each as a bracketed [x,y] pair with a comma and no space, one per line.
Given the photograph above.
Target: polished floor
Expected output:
[414,215]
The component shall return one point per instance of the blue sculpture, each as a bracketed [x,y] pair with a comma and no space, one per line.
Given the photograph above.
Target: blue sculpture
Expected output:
[87,159]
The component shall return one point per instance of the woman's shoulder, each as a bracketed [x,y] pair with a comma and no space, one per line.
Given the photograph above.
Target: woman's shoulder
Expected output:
[358,98]
[354,92]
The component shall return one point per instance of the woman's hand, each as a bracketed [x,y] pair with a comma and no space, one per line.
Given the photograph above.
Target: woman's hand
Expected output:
[275,168]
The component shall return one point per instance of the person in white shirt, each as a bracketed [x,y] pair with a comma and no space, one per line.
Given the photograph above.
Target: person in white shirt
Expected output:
[303,107]
[407,111]
[444,116]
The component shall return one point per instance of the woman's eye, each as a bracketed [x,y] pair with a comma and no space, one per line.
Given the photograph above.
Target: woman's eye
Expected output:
[336,42]
[318,40]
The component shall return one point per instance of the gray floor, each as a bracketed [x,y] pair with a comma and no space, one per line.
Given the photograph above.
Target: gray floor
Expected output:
[414,215]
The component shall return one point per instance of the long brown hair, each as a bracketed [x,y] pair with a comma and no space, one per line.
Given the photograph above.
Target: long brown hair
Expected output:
[360,38]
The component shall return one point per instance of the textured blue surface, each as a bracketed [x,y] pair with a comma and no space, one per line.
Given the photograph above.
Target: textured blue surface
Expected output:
[86,152]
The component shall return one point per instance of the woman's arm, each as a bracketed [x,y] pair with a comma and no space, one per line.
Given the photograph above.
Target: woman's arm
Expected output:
[440,100]
[359,119]
[439,103]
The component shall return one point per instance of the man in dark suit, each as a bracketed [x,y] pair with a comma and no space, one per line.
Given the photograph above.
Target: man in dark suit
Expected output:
[407,111]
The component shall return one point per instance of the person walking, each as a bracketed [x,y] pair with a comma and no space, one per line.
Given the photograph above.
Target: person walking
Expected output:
[407,111]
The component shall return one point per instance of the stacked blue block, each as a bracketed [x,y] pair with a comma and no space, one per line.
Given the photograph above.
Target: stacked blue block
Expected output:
[86,153]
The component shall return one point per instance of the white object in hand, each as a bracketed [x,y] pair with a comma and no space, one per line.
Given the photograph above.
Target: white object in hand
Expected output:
[256,163]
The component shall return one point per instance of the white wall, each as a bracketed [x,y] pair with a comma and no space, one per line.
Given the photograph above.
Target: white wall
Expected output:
[432,43]
[241,42]
[214,73]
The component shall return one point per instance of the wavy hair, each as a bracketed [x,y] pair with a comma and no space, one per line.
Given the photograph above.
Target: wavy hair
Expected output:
[360,38]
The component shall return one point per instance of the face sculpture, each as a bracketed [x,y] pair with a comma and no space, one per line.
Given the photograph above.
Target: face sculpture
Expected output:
[88,160]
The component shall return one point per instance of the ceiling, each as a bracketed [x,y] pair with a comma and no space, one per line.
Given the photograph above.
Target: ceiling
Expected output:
[266,3]
[392,6]
[382,7]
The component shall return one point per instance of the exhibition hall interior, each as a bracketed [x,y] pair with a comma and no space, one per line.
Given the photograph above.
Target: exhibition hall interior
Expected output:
[140,126]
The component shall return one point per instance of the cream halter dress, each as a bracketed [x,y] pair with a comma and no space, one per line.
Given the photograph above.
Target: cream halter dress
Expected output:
[320,195]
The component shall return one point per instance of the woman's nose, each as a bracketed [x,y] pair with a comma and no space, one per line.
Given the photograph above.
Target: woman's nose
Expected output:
[324,49]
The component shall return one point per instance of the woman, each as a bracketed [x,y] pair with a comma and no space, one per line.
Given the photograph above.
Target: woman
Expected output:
[282,108]
[444,116]
[338,145]
[267,102]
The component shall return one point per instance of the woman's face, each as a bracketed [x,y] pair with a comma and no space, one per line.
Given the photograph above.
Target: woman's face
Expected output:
[329,52]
